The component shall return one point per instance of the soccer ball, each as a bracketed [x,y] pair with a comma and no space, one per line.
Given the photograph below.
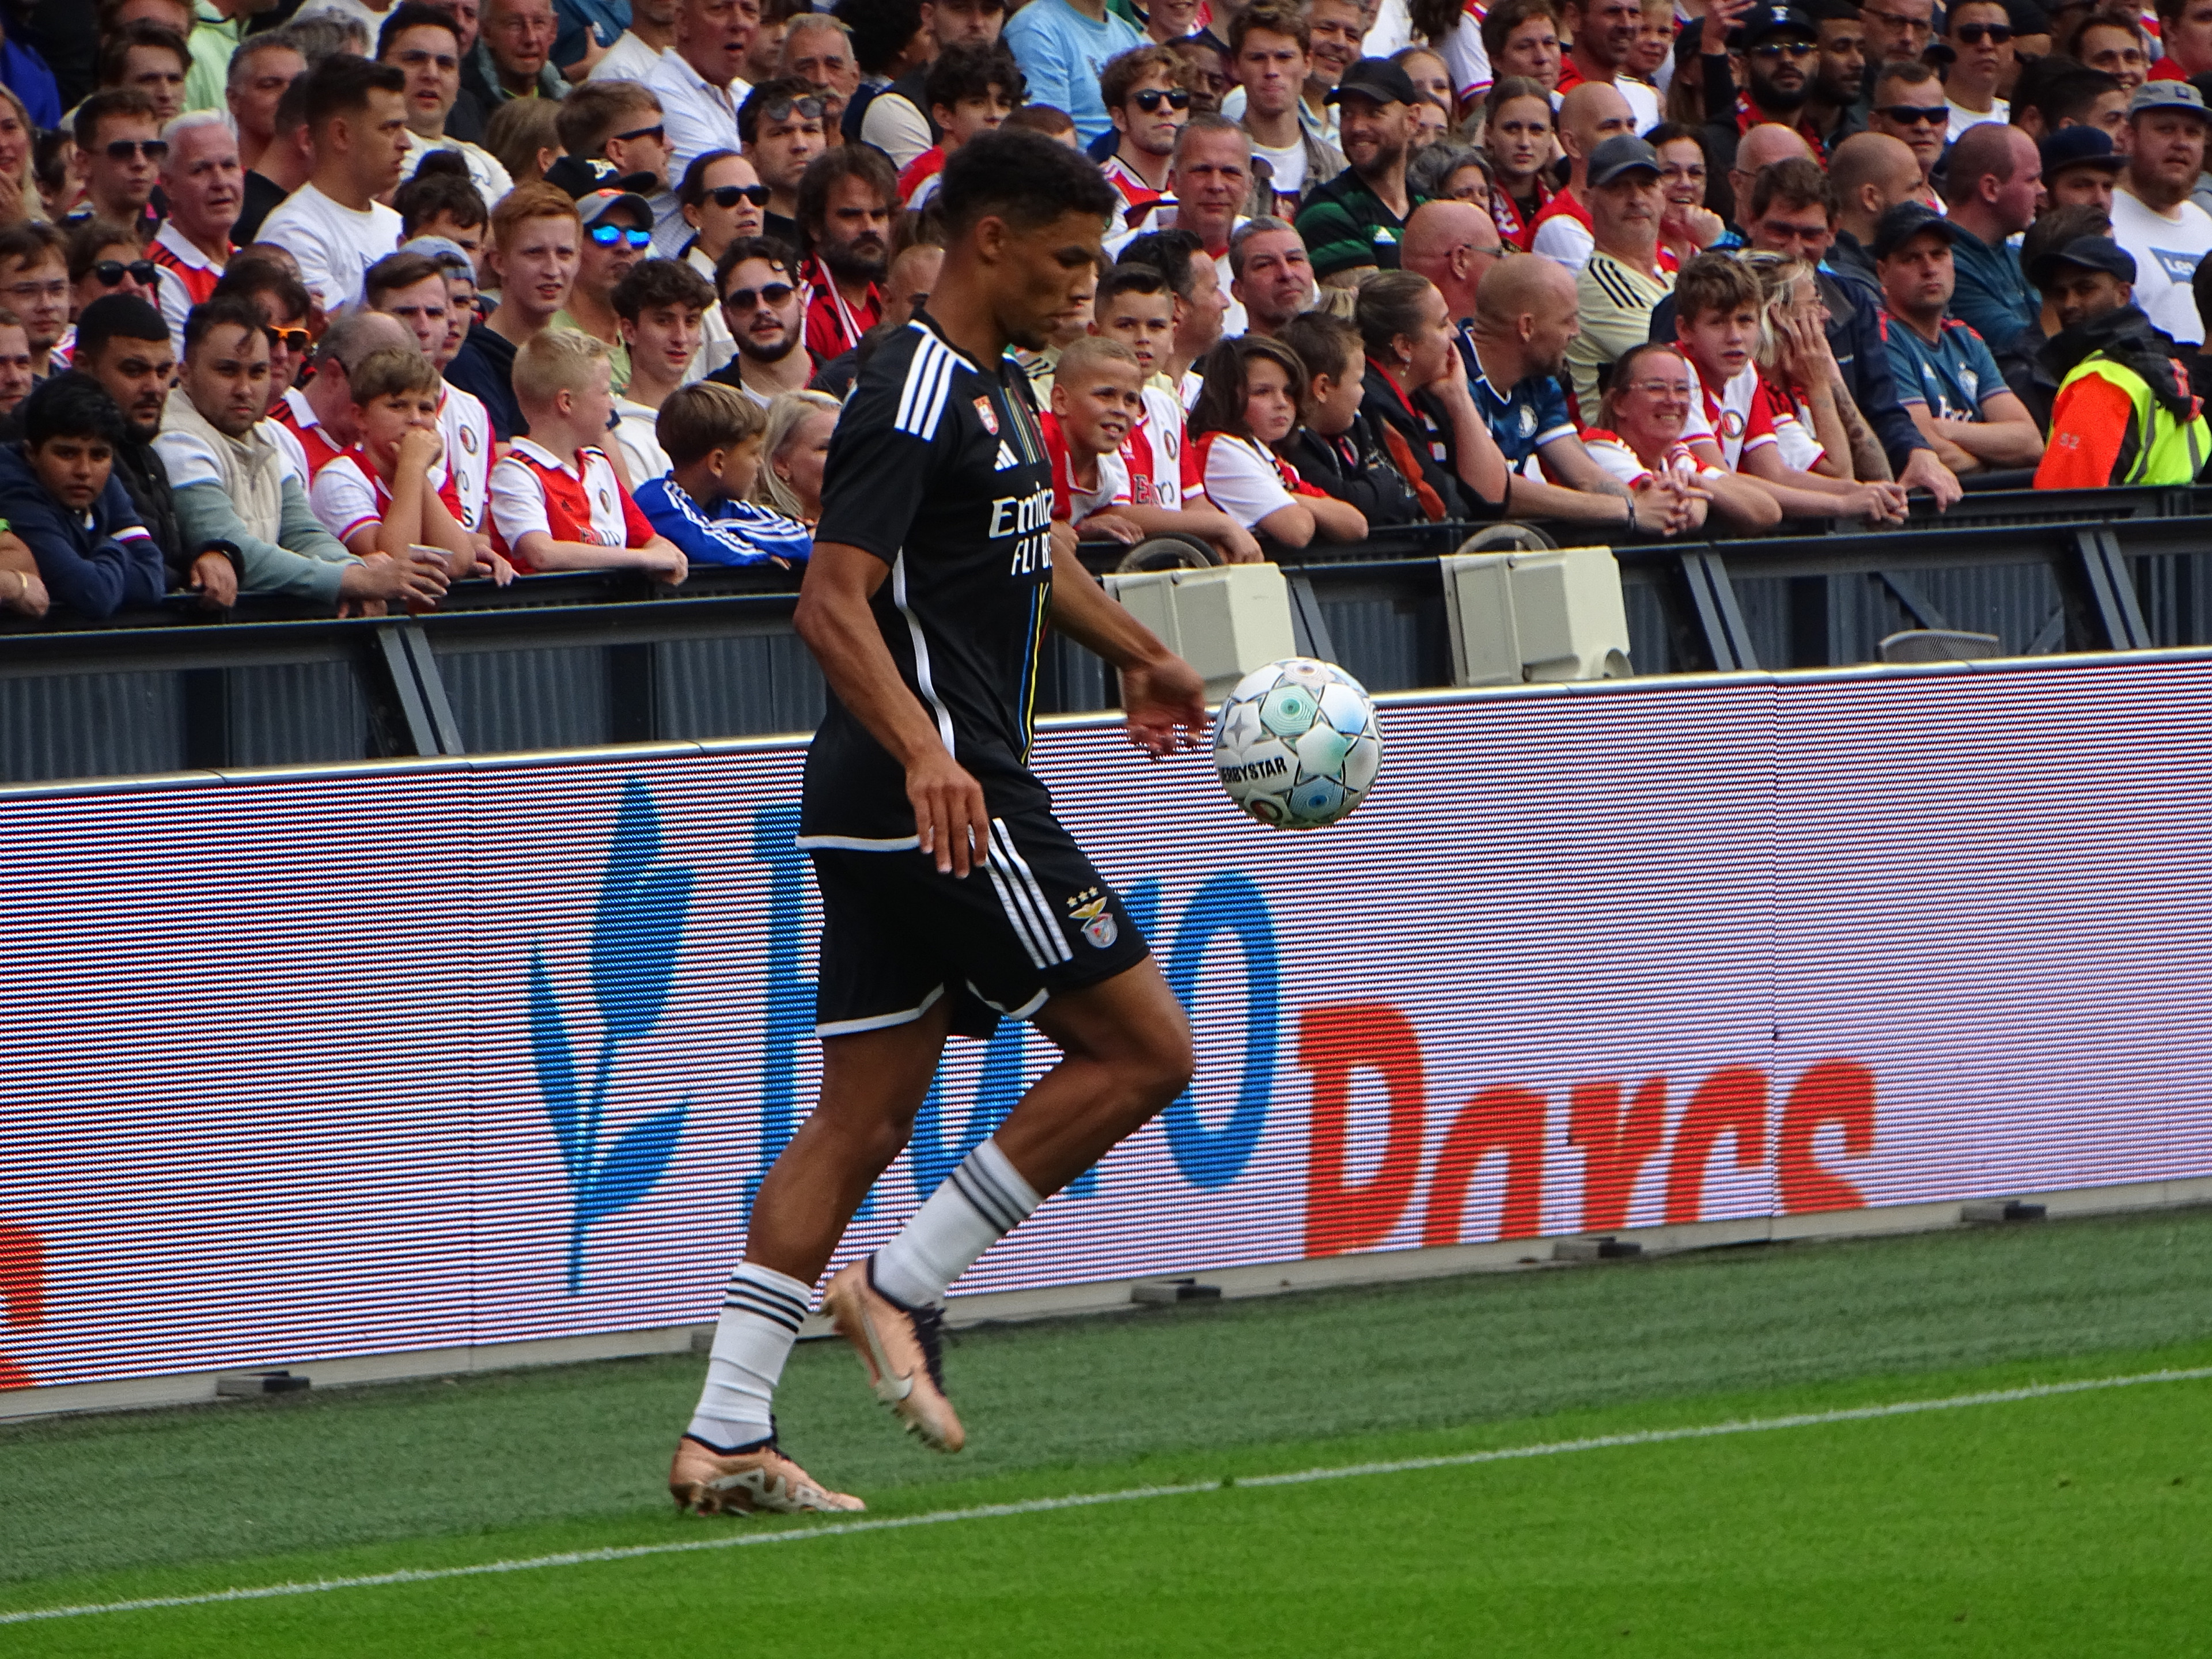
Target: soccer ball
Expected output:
[1297,744]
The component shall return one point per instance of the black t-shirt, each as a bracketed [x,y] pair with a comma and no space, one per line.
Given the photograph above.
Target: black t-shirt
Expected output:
[938,468]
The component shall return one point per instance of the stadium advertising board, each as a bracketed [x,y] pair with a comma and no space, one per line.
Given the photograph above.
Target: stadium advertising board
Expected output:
[303,1067]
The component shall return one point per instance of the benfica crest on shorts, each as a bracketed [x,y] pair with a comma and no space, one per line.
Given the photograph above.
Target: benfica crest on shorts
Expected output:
[984,413]
[1099,927]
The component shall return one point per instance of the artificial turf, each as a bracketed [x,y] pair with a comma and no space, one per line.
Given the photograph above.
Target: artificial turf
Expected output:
[2070,1524]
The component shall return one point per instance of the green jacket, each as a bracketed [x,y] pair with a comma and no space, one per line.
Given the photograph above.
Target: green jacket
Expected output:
[1345,225]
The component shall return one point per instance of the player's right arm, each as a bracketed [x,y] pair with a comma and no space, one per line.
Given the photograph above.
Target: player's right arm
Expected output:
[835,622]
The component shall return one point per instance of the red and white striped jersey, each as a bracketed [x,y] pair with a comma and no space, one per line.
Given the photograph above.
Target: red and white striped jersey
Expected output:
[533,489]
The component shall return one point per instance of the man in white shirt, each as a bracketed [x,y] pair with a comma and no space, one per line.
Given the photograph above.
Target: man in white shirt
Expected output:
[659,305]
[696,79]
[638,52]
[333,225]
[1603,33]
[893,120]
[422,42]
[2153,217]
[1271,55]
[1980,34]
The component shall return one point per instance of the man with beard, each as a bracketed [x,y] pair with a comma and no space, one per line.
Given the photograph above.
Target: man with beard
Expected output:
[817,50]
[236,488]
[123,342]
[1270,276]
[846,200]
[618,231]
[1355,219]
[206,187]
[1832,113]
[1780,44]
[2153,217]
[1621,284]
[2124,413]
[766,310]
[535,237]
[1525,316]
[1603,33]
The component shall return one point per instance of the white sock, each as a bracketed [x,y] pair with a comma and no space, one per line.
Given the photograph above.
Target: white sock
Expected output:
[980,1202]
[752,1339]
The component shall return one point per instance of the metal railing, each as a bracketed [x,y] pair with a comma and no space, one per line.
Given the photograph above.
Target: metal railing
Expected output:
[578,660]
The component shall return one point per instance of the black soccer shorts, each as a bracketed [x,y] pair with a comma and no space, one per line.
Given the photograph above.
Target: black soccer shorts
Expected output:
[897,936]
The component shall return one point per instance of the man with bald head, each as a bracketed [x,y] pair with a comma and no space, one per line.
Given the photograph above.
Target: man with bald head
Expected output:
[1588,115]
[1764,145]
[1991,186]
[1872,173]
[1452,244]
[1516,345]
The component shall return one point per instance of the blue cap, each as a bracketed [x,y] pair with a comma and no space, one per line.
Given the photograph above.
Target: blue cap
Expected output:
[1901,224]
[2077,147]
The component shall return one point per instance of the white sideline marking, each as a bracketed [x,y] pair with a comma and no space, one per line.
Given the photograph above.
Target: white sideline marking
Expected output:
[1130,1495]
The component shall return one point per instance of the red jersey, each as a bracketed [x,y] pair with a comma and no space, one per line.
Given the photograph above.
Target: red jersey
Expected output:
[834,327]
[293,412]
[534,490]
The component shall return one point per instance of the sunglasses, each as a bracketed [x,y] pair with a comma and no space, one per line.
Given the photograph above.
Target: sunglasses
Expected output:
[1151,99]
[807,109]
[614,235]
[774,296]
[728,195]
[1796,50]
[122,149]
[1973,34]
[659,134]
[294,340]
[109,272]
[1933,115]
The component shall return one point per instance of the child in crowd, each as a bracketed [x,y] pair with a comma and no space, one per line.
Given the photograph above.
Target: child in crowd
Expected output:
[1252,400]
[378,497]
[556,502]
[1646,406]
[969,89]
[1136,306]
[712,435]
[58,492]
[660,308]
[1717,308]
[1336,449]
[1096,398]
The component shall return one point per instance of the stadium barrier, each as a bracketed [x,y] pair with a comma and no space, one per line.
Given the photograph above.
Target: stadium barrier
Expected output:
[417,1057]
[559,662]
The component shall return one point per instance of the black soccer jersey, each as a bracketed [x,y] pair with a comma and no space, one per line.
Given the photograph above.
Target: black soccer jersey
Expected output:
[938,468]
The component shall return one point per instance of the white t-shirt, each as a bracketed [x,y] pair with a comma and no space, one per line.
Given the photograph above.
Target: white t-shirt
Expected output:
[518,498]
[333,243]
[1567,239]
[1962,117]
[2167,250]
[1394,28]
[1289,166]
[466,424]
[636,430]
[1643,100]
[895,126]
[1243,480]
[1467,57]
[345,497]
[629,59]
[485,172]
[1165,434]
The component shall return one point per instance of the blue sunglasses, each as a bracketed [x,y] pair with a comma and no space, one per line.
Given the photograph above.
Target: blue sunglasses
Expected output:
[608,235]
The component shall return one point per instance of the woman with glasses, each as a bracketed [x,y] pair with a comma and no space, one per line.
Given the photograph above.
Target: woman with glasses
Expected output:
[721,198]
[1687,226]
[1639,440]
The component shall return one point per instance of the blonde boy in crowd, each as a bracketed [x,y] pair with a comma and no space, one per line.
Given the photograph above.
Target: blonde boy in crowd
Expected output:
[378,496]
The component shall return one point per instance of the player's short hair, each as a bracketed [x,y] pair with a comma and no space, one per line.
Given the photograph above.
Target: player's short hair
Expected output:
[555,360]
[595,110]
[1023,178]
[1275,19]
[395,271]
[534,200]
[1091,349]
[116,102]
[1171,252]
[391,371]
[221,310]
[1796,182]
[72,405]
[341,85]
[1715,282]
[862,162]
[772,249]
[651,283]
[1130,276]
[1325,344]
[706,415]
[1227,371]
[963,72]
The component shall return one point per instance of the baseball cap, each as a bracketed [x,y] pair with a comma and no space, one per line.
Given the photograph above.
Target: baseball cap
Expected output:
[600,203]
[1622,154]
[581,178]
[1901,224]
[1377,78]
[2077,147]
[2167,94]
[1774,20]
[2026,18]
[443,249]
[2090,253]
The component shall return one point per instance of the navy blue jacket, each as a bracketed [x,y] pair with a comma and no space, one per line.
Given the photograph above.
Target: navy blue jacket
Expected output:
[96,568]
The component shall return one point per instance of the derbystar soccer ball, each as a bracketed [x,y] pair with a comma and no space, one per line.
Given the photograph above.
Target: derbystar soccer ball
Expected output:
[1297,744]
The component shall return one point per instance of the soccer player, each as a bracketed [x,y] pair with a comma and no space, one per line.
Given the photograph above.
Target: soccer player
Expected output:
[950,895]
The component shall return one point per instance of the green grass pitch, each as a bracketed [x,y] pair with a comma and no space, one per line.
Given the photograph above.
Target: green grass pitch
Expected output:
[2050,1521]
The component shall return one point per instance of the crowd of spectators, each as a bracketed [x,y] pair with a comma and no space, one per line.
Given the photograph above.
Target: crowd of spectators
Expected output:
[345,303]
